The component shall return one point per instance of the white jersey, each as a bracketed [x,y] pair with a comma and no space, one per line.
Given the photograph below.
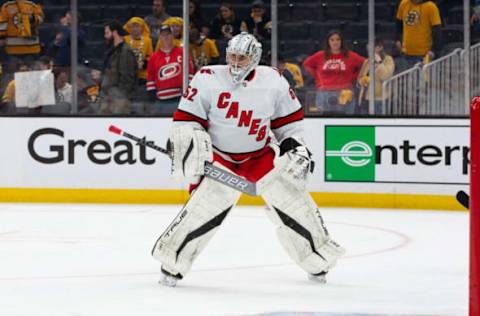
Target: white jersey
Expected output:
[240,117]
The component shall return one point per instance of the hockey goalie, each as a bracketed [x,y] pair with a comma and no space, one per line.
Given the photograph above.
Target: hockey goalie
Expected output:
[245,118]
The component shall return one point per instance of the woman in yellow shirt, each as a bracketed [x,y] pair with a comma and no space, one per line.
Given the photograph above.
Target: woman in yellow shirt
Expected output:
[384,69]
[140,41]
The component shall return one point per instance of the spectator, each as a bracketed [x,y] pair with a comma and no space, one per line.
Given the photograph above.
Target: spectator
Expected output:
[87,86]
[203,51]
[141,44]
[226,24]
[176,25]
[418,30]
[258,23]
[119,73]
[9,94]
[335,69]
[165,75]
[59,49]
[63,89]
[92,86]
[291,71]
[156,19]
[196,18]
[19,29]
[1,78]
[384,69]
[45,63]
[475,18]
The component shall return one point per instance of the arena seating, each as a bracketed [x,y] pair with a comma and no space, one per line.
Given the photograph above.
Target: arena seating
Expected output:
[303,24]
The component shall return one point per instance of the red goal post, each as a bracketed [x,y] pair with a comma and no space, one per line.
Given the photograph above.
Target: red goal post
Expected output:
[475,207]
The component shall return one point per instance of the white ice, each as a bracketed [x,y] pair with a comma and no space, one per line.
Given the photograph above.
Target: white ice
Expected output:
[80,260]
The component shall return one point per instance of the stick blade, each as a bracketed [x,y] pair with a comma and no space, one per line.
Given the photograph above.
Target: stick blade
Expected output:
[115,130]
[464,199]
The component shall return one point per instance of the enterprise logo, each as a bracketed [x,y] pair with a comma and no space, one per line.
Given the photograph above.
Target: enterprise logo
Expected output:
[354,149]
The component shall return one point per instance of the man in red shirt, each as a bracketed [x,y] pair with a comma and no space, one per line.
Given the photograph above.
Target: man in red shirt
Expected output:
[335,71]
[165,73]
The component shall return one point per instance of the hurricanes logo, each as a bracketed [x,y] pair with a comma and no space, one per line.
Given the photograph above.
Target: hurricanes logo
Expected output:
[354,154]
[169,71]
[412,18]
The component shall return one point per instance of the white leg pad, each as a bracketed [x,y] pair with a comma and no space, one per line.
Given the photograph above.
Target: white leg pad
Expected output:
[301,229]
[194,226]
[301,252]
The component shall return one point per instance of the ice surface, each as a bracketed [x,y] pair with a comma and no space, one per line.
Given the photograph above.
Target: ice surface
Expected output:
[80,260]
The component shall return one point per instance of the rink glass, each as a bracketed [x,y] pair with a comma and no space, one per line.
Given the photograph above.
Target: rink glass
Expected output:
[437,88]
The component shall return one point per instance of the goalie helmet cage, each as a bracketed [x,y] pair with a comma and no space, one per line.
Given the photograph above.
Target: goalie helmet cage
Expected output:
[475,207]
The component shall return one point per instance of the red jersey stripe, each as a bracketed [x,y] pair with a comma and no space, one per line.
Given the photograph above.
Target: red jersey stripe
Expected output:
[182,116]
[290,118]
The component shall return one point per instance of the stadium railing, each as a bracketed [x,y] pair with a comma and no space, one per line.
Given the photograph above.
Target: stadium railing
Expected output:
[433,89]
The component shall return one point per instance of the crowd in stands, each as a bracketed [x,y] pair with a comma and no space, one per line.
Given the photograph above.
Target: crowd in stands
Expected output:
[141,70]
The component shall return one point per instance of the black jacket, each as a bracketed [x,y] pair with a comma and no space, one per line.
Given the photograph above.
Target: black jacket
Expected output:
[119,72]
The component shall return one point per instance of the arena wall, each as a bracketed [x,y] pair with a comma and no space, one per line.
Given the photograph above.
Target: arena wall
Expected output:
[385,163]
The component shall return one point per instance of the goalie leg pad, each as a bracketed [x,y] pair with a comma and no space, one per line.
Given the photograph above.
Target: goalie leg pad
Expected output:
[194,226]
[301,229]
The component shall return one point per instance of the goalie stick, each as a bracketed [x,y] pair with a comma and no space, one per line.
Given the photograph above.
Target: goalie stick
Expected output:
[218,174]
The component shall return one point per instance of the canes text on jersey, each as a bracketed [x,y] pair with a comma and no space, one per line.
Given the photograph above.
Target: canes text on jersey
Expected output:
[245,118]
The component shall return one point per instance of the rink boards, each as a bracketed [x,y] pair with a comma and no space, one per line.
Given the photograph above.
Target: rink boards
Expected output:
[388,163]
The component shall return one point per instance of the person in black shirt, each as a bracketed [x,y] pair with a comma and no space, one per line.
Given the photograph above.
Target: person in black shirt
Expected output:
[226,24]
[196,18]
[119,72]
[258,23]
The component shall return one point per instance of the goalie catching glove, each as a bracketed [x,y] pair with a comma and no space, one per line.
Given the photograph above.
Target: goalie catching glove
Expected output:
[300,163]
[189,149]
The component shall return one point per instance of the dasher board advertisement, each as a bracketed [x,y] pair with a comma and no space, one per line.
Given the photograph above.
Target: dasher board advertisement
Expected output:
[362,156]
[397,153]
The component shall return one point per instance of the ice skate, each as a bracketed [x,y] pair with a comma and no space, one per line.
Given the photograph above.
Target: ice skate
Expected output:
[319,277]
[168,279]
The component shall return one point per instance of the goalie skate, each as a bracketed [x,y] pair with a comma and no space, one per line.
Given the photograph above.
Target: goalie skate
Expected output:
[320,278]
[167,279]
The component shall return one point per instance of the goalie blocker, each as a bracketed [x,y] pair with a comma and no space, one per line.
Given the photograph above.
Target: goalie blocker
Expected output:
[280,176]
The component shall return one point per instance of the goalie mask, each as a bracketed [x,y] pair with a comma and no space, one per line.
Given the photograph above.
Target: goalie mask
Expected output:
[243,55]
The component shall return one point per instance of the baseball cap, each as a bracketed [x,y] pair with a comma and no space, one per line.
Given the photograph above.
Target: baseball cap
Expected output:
[165,28]
[258,4]
[114,25]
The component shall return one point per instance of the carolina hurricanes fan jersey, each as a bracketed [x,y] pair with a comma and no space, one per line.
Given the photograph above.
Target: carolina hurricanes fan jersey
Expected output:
[165,73]
[240,117]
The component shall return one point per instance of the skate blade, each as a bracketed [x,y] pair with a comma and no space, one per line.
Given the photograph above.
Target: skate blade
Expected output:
[320,279]
[168,281]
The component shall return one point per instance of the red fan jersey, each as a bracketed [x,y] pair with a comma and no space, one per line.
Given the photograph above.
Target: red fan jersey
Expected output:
[165,73]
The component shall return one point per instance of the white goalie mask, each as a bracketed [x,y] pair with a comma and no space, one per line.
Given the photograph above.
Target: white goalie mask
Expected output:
[243,55]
